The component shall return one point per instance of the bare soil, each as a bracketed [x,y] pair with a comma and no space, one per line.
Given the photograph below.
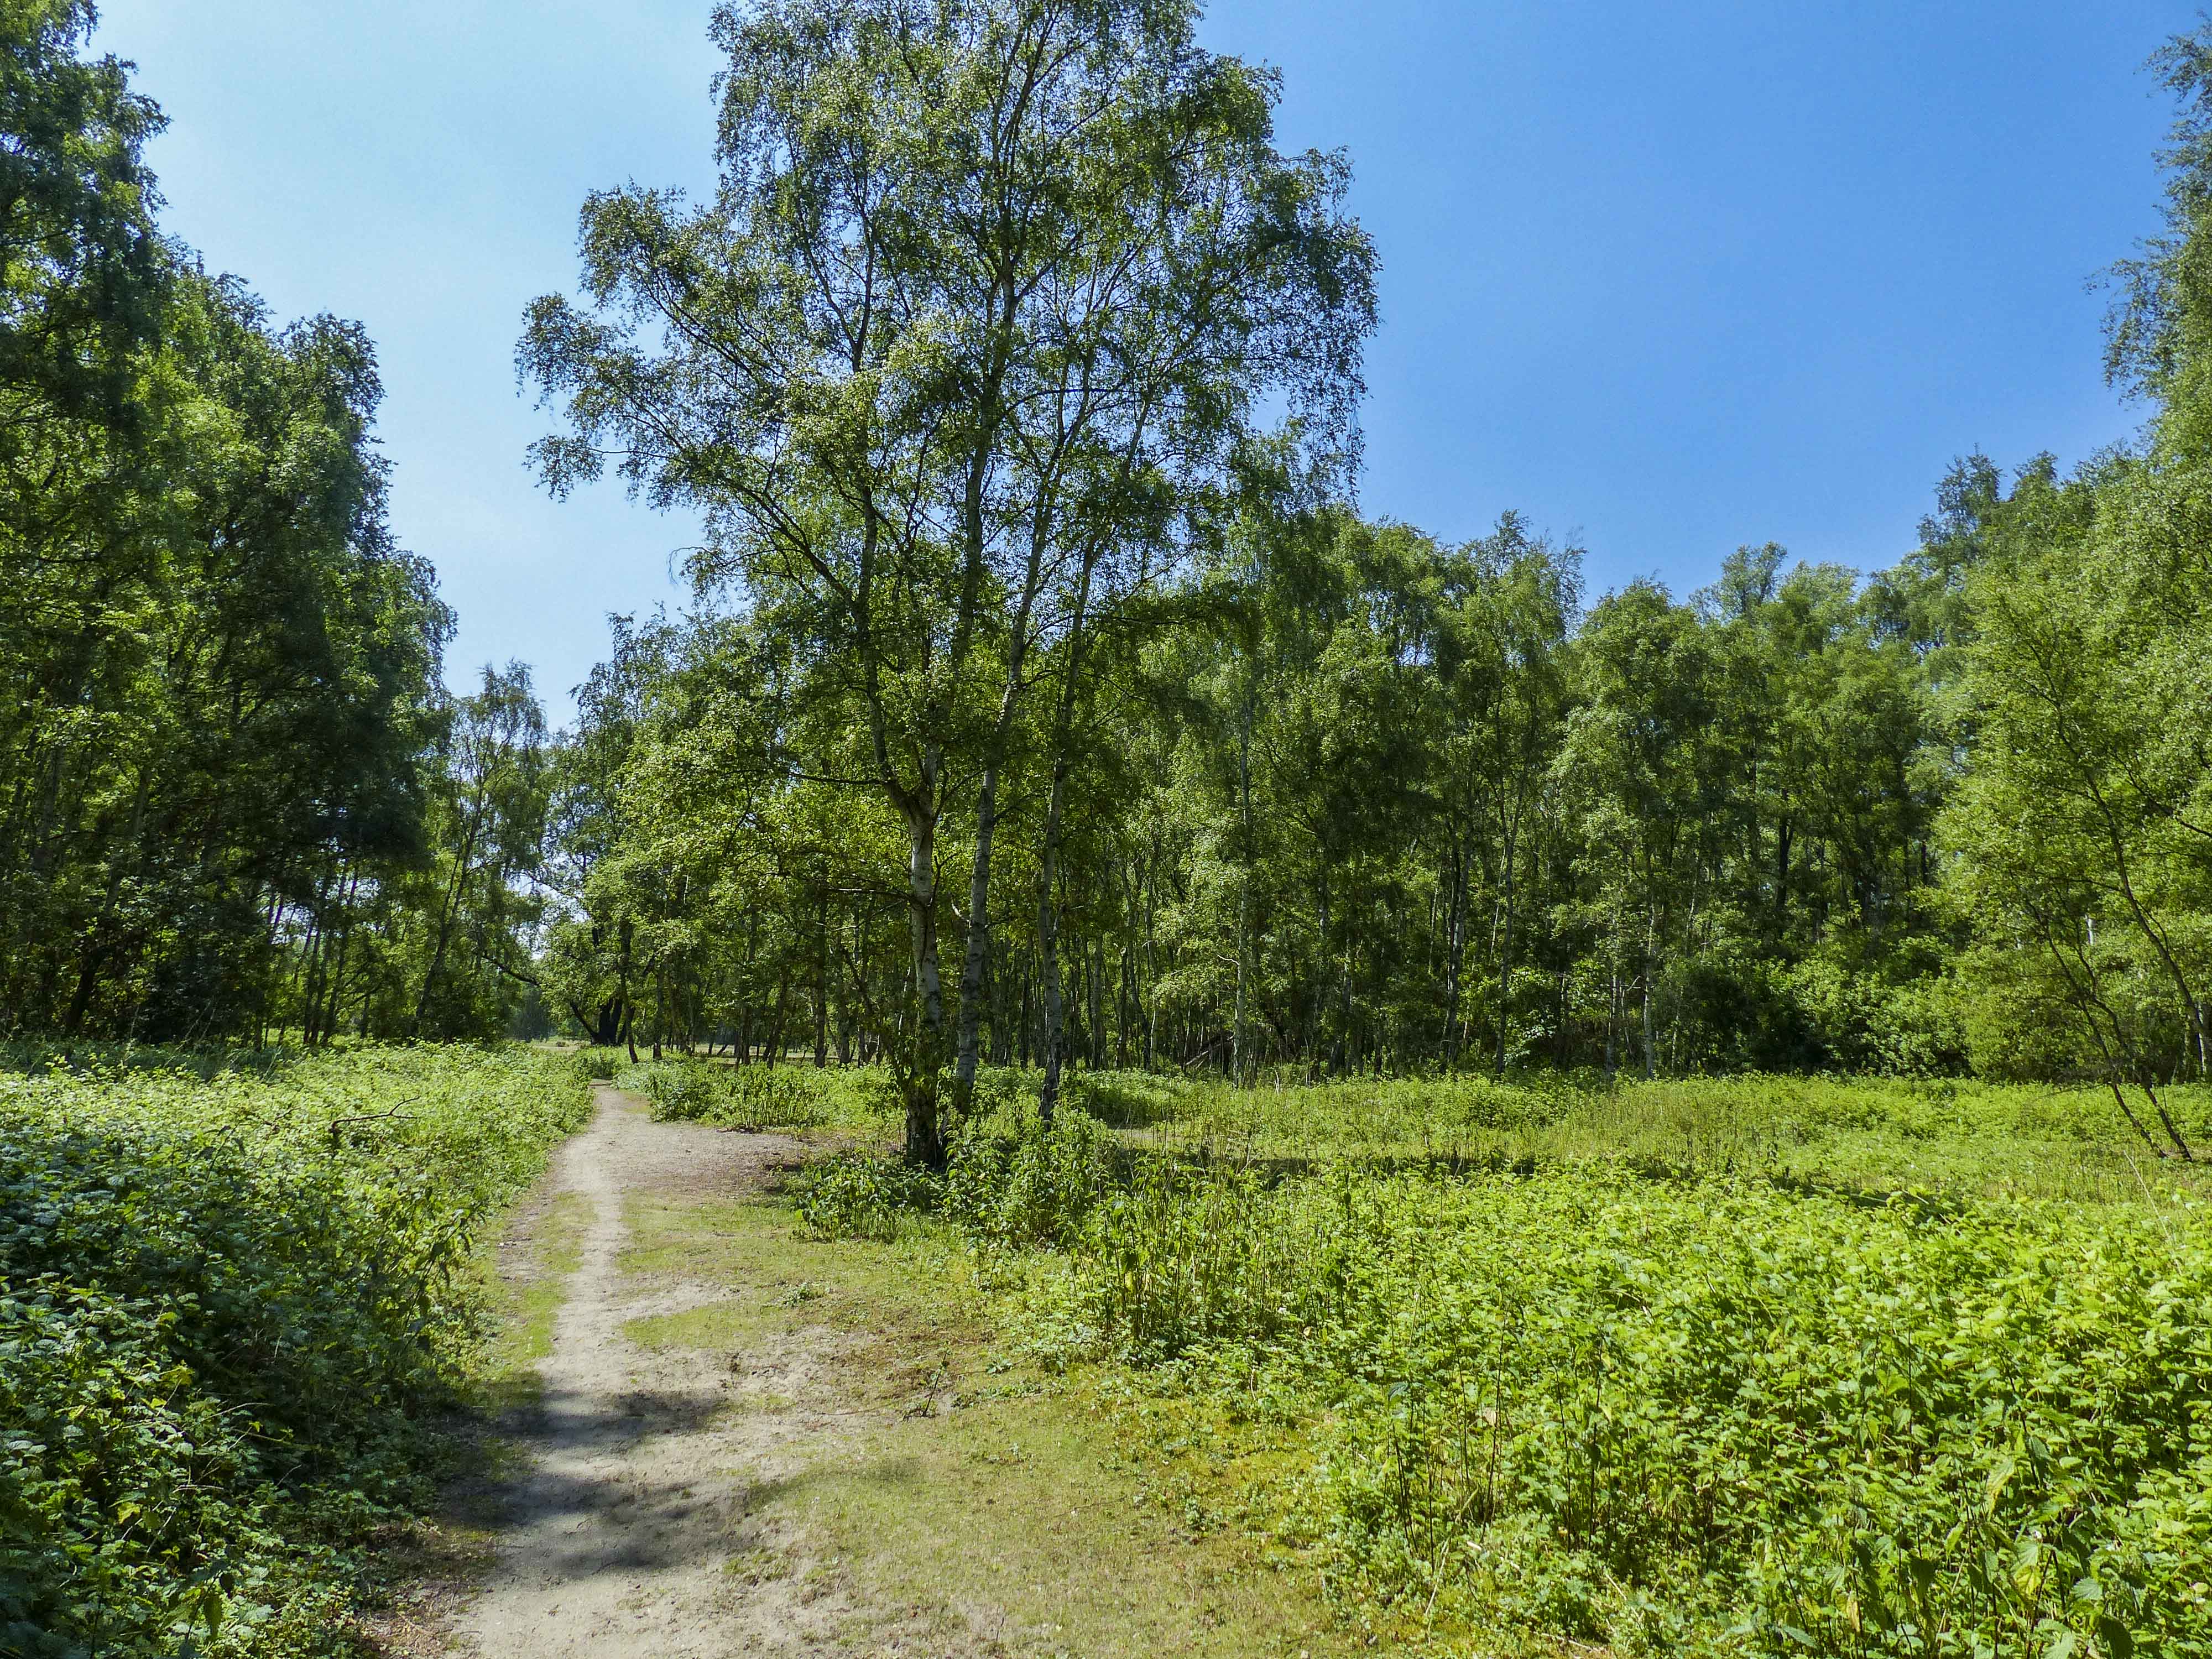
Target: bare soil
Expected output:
[644,1466]
[744,1442]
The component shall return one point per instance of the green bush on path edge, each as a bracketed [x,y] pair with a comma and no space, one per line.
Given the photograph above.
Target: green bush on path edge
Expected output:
[230,1300]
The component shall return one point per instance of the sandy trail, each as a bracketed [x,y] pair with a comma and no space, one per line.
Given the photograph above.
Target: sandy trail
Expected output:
[620,1538]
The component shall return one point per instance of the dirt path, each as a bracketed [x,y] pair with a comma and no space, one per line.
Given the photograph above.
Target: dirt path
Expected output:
[746,1442]
[621,1537]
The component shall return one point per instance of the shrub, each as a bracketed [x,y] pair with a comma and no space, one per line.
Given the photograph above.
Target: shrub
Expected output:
[229,1300]
[1187,1257]
[1712,1416]
[1029,1185]
[1017,1186]
[755,1098]
[854,1195]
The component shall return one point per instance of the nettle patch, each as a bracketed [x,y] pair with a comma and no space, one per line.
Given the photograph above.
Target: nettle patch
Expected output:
[226,1304]
[1599,1400]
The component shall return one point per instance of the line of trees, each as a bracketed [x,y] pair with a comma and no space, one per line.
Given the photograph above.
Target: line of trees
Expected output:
[1049,703]
[234,796]
[1346,799]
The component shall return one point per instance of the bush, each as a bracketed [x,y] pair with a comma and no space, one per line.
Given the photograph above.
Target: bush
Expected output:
[1187,1257]
[1029,1185]
[854,1195]
[229,1300]
[755,1098]
[1708,1366]
[1016,1186]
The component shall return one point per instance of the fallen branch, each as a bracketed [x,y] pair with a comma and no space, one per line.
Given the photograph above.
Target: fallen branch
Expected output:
[400,1110]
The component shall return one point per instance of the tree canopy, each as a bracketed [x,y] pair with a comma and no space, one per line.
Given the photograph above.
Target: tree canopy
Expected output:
[1048,700]
[222,758]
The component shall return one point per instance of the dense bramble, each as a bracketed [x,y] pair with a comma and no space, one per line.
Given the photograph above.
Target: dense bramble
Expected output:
[225,1302]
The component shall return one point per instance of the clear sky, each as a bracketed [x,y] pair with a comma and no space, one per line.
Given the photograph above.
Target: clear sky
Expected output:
[1665,277]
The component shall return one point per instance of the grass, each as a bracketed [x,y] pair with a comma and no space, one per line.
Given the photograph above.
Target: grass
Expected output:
[527,1286]
[973,1489]
[1770,1366]
[1021,1507]
[1874,1133]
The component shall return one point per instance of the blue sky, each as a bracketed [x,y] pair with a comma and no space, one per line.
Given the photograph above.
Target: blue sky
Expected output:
[1666,277]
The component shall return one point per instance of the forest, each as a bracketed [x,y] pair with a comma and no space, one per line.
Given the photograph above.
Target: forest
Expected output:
[1046,700]
[1664,1121]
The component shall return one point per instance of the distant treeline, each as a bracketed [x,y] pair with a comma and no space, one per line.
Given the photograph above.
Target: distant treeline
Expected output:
[1046,701]
[232,790]
[1351,799]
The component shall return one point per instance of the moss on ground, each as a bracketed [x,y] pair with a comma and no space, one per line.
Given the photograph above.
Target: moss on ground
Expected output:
[528,1287]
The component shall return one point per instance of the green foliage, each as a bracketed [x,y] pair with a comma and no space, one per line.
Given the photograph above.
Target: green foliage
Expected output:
[927,501]
[227,1297]
[1713,1417]
[1359,800]
[1019,1184]
[1696,1367]
[757,1096]
[1032,1183]
[237,794]
[856,1196]
[1714,1366]
[462,943]
[1877,1135]
[2078,836]
[1373,802]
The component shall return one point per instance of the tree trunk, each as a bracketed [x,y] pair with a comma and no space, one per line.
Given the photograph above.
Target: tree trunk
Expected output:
[446,912]
[782,1006]
[1651,943]
[1455,948]
[1048,920]
[821,984]
[1505,949]
[1238,1059]
[1048,946]
[925,1135]
[975,959]
[1612,1024]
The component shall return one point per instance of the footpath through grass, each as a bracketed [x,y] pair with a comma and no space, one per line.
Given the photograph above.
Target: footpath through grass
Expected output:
[957,1492]
[232,1295]
[1760,1366]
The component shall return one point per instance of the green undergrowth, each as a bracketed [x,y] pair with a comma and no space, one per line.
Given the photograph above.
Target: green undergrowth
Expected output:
[233,1296]
[1878,1134]
[1705,1368]
[1874,1134]
[858,1099]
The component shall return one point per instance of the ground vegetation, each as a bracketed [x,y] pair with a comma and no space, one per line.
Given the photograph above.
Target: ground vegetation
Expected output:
[239,1294]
